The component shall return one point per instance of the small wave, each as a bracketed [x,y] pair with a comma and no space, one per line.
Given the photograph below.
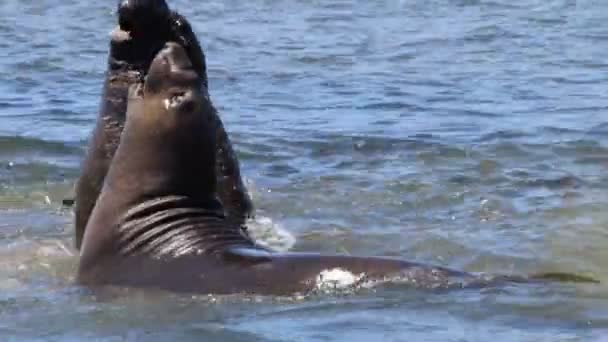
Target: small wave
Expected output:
[599,130]
[502,135]
[562,182]
[19,144]
[389,105]
[19,174]
[338,144]
[491,33]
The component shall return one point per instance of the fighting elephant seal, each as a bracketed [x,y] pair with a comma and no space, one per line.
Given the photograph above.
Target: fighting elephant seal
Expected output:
[144,27]
[158,222]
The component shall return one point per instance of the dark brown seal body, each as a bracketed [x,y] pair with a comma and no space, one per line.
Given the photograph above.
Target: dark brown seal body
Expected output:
[158,223]
[144,27]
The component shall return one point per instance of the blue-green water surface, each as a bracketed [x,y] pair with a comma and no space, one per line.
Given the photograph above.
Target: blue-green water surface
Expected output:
[466,133]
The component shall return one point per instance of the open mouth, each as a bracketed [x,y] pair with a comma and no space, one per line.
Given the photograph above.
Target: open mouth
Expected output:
[144,27]
[141,17]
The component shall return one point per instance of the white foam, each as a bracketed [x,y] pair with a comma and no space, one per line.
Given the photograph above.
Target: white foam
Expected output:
[334,279]
[270,234]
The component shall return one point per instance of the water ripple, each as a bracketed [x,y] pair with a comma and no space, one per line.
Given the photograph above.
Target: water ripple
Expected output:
[469,133]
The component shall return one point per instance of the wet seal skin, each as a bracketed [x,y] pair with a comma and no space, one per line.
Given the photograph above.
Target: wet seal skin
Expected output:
[144,28]
[158,223]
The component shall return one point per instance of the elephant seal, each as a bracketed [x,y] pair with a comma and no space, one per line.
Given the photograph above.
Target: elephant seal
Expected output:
[158,223]
[144,27]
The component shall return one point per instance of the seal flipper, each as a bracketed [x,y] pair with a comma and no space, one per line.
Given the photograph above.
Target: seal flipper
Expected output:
[248,254]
